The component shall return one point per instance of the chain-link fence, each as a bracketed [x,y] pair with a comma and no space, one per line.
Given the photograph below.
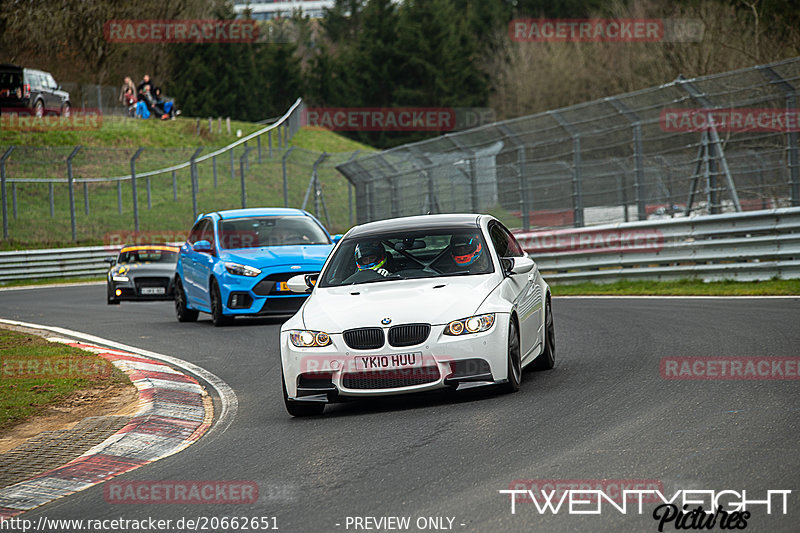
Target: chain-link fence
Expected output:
[63,194]
[714,144]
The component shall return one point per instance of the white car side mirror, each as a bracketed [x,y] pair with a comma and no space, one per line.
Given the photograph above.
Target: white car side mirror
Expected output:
[302,283]
[518,265]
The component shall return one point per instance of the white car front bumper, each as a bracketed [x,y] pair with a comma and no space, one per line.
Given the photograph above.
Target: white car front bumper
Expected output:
[336,370]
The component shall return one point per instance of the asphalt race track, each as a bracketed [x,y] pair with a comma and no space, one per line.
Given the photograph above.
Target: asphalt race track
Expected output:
[604,412]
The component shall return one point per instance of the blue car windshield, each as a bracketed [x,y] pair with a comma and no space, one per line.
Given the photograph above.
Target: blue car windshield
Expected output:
[255,232]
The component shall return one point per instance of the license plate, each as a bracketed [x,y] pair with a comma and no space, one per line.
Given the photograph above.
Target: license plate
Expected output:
[282,286]
[389,362]
[153,290]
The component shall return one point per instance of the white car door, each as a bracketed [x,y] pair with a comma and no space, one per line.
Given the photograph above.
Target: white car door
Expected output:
[528,294]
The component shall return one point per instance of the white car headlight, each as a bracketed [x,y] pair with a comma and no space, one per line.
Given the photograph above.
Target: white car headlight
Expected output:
[117,277]
[473,324]
[242,270]
[309,339]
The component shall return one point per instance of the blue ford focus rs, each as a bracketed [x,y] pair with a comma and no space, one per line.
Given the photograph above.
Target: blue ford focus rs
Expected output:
[236,263]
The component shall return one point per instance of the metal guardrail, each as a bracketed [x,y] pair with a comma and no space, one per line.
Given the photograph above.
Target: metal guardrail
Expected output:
[55,263]
[754,245]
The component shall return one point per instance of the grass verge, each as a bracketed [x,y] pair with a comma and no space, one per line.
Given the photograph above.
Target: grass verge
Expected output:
[686,287]
[35,373]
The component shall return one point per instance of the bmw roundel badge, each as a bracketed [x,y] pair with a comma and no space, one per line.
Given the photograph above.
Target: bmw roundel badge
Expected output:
[386,321]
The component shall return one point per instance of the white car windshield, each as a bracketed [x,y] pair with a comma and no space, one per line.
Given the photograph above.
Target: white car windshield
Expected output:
[408,255]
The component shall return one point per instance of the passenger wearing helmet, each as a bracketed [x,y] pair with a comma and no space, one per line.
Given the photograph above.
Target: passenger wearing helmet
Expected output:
[468,253]
[371,256]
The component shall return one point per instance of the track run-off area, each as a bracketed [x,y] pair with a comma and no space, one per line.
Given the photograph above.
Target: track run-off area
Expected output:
[609,414]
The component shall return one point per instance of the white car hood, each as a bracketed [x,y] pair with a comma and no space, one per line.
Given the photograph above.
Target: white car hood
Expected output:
[431,300]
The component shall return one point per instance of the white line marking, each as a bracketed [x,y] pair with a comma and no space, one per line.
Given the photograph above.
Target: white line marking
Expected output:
[228,400]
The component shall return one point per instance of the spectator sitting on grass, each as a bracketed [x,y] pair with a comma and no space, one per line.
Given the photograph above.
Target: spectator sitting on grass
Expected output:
[129,100]
[166,106]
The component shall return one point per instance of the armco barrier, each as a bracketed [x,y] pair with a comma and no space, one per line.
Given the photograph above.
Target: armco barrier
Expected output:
[753,245]
[55,263]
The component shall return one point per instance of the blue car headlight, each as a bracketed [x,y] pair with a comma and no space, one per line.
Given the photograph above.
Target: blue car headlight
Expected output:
[242,270]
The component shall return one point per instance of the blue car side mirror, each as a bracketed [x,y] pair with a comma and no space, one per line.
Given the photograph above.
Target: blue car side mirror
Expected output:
[336,238]
[202,246]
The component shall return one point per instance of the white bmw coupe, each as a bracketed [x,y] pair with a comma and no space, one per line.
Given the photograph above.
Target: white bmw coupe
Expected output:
[416,304]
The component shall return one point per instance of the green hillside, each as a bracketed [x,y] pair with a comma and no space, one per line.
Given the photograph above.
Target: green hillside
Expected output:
[107,152]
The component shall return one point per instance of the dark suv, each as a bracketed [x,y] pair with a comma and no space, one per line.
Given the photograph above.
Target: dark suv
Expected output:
[32,89]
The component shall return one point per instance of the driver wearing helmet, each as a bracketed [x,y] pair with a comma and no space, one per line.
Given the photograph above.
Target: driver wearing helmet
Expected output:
[371,256]
[467,252]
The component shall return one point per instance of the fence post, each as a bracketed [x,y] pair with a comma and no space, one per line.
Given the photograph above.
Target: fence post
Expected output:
[242,165]
[280,143]
[233,169]
[135,193]
[195,185]
[3,189]
[577,178]
[228,124]
[14,200]
[214,167]
[638,157]
[52,199]
[174,187]
[119,196]
[269,139]
[285,179]
[85,198]
[349,189]
[72,193]
[246,159]
[791,134]
[317,188]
